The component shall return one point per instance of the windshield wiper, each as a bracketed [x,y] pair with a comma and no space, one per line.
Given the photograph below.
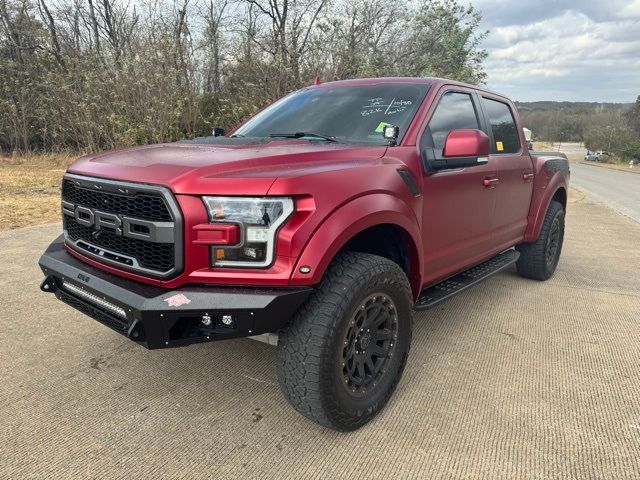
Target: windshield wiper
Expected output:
[304,134]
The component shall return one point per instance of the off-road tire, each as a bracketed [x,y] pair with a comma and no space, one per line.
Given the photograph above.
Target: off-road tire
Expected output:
[538,260]
[311,350]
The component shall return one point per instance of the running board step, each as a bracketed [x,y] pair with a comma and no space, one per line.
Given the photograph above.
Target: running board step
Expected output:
[435,294]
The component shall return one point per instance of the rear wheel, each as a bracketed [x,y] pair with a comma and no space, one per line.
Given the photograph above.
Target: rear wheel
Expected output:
[343,354]
[538,260]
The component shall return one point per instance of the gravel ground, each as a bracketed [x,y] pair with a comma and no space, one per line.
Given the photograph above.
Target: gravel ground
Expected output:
[511,379]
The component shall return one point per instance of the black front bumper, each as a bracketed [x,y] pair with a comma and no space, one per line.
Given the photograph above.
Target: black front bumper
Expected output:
[142,312]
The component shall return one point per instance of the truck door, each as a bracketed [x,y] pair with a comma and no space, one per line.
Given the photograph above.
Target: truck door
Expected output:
[458,204]
[515,172]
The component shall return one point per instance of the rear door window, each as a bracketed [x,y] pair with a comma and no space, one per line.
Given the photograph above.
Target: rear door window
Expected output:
[503,126]
[454,111]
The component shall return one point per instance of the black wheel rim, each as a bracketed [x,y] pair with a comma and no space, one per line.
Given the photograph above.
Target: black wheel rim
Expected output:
[369,344]
[554,242]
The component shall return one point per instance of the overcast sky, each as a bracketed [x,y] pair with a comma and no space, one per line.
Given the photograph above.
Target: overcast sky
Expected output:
[571,50]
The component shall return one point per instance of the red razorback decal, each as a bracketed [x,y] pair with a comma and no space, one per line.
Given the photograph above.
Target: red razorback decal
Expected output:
[177,300]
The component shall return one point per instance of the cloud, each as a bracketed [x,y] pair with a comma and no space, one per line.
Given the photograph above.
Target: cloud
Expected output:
[581,51]
[506,12]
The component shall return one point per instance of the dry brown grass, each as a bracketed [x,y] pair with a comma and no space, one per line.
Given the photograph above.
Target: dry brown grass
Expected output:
[544,146]
[30,188]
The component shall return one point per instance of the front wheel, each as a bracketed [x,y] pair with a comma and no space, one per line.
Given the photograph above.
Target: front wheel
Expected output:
[341,357]
[538,260]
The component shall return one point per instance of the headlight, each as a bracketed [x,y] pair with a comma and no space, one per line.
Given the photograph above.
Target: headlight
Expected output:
[259,220]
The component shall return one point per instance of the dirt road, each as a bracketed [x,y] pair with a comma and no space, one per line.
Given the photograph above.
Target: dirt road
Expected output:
[512,379]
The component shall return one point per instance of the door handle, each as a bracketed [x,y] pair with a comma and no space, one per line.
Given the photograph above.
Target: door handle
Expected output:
[490,182]
[527,176]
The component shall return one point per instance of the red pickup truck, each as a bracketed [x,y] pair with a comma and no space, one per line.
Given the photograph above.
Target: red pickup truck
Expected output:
[327,218]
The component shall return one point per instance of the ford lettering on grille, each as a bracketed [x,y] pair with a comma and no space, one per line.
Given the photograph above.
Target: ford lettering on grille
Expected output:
[131,226]
[157,232]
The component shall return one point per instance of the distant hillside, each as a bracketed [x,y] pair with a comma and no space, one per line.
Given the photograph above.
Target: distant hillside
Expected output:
[568,121]
[571,106]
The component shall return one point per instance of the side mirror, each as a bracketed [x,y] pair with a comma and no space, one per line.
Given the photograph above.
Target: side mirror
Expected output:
[218,132]
[462,148]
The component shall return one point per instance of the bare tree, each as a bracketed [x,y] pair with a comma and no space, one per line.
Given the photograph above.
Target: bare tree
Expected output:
[94,74]
[213,17]
[93,21]
[55,49]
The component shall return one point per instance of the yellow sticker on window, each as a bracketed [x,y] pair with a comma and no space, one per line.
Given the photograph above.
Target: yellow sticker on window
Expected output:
[380,127]
[499,146]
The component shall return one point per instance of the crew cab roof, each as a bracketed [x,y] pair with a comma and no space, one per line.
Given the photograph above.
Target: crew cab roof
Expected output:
[432,81]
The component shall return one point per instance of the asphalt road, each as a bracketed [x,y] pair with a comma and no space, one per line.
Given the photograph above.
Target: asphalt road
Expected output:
[617,189]
[511,379]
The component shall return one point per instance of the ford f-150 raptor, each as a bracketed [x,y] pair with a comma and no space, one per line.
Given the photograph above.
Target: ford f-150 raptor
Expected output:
[327,218]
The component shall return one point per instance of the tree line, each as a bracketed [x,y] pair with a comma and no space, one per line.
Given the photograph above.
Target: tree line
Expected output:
[610,127]
[620,138]
[85,75]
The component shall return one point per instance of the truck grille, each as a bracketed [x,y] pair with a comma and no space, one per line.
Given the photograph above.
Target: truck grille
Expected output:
[153,256]
[149,207]
[134,227]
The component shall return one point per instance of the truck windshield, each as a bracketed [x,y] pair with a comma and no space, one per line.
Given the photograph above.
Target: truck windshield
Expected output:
[353,114]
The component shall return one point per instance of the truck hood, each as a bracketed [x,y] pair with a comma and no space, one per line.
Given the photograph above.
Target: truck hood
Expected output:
[188,168]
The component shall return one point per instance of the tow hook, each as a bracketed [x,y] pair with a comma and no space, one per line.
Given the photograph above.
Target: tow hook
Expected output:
[48,285]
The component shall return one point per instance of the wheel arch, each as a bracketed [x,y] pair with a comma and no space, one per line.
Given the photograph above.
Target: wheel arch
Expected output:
[558,193]
[560,196]
[377,223]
